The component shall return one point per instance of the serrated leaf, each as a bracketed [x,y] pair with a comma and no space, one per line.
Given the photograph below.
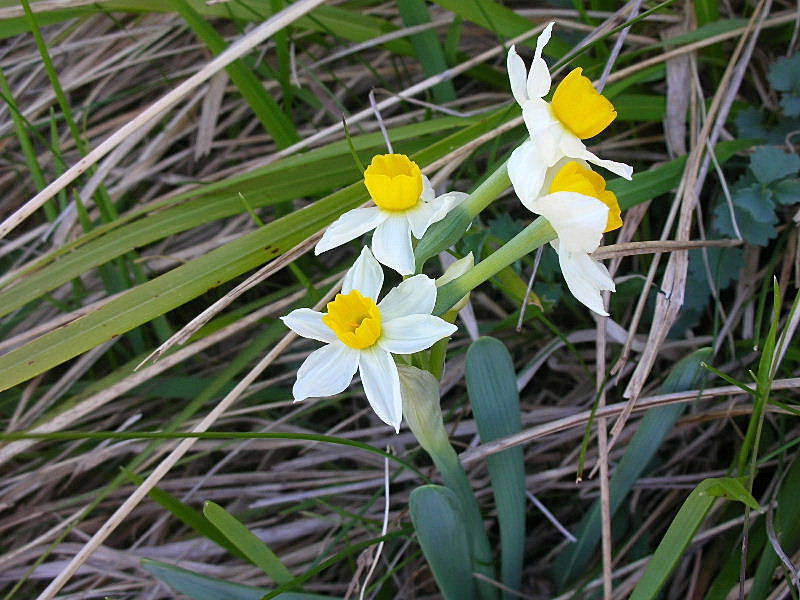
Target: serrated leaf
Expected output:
[770,163]
[750,123]
[786,192]
[754,213]
[790,104]
[784,74]
[723,263]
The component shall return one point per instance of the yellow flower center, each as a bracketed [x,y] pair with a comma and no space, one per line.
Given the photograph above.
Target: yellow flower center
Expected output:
[580,107]
[574,177]
[394,181]
[355,319]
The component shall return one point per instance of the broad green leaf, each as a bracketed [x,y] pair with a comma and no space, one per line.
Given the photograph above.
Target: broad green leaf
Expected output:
[732,488]
[492,390]
[256,551]
[651,431]
[202,587]
[438,521]
[680,533]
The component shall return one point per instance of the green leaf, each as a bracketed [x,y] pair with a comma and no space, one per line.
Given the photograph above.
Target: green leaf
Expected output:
[272,117]
[437,518]
[427,48]
[733,489]
[202,587]
[680,533]
[247,543]
[191,279]
[770,163]
[784,74]
[754,212]
[492,390]
[650,433]
[640,107]
[186,514]
[786,192]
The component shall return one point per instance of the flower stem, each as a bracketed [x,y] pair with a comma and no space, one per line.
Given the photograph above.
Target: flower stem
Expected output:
[534,235]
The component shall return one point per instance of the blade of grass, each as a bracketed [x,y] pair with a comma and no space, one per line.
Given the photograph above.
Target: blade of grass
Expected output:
[272,117]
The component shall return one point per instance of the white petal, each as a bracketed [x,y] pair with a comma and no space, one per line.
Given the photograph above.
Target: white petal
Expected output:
[413,333]
[579,220]
[517,74]
[526,171]
[308,323]
[539,76]
[576,149]
[433,211]
[366,275]
[381,385]
[543,38]
[415,295]
[585,278]
[326,372]
[545,130]
[349,226]
[428,193]
[421,217]
[391,244]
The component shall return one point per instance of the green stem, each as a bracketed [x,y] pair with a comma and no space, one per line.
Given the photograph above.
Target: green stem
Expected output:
[534,235]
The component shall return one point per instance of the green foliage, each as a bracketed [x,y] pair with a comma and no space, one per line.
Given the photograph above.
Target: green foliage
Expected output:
[437,517]
[491,385]
[682,529]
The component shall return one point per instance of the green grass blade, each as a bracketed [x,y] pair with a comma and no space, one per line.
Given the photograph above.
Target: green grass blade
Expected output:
[682,529]
[156,297]
[654,427]
[186,514]
[202,587]
[427,48]
[492,390]
[437,518]
[256,551]
[272,117]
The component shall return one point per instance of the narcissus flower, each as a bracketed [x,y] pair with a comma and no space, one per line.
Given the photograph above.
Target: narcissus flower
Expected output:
[577,112]
[362,334]
[404,205]
[580,209]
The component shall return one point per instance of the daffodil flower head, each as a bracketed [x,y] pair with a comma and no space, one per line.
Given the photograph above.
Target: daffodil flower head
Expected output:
[580,209]
[361,334]
[405,204]
[578,111]
[575,177]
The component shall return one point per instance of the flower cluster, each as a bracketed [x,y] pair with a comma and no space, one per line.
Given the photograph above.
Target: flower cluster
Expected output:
[576,202]
[551,175]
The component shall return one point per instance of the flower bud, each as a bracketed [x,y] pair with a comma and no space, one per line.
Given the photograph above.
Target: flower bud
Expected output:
[420,392]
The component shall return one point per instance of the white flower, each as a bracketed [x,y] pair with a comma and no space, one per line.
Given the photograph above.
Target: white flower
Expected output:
[405,205]
[578,111]
[362,335]
[580,209]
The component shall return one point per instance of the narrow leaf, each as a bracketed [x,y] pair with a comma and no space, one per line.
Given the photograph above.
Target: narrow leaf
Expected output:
[492,389]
